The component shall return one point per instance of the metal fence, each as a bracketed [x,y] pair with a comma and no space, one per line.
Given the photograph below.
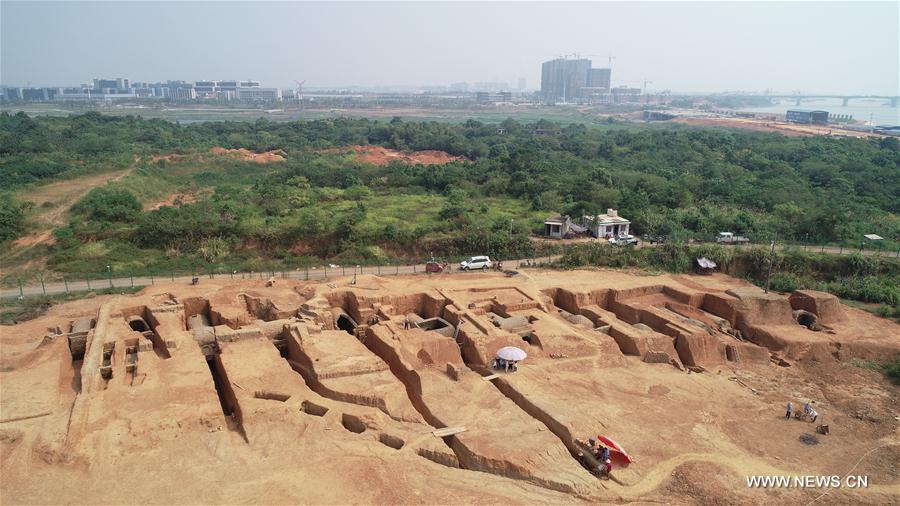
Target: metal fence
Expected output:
[112,279]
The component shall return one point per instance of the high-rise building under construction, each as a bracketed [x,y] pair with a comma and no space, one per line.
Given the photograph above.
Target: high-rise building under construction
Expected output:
[563,79]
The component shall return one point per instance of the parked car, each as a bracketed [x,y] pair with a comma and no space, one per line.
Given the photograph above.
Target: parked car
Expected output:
[623,240]
[729,238]
[656,239]
[483,263]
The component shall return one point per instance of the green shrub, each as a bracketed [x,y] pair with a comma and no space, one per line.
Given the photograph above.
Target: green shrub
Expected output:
[784,282]
[12,219]
[107,204]
[892,370]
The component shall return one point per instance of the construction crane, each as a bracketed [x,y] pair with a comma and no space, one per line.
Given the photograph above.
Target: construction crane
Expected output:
[646,98]
[300,92]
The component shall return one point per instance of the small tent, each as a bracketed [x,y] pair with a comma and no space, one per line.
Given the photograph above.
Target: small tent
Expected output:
[705,266]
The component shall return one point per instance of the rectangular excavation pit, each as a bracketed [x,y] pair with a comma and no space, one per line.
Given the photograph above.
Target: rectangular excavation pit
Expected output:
[77,336]
[106,366]
[131,355]
[391,441]
[141,320]
[261,308]
[439,325]
[200,306]
[311,408]
[353,423]
[271,396]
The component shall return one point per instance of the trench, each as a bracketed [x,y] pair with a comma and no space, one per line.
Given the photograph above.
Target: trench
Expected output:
[408,379]
[301,363]
[463,454]
[554,426]
[411,382]
[227,398]
[76,376]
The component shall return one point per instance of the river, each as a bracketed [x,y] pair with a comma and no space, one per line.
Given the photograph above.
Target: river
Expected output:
[861,109]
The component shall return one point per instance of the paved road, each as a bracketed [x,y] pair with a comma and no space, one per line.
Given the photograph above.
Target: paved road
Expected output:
[315,273]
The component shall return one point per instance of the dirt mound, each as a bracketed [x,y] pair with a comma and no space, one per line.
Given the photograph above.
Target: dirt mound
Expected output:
[377,155]
[824,305]
[276,155]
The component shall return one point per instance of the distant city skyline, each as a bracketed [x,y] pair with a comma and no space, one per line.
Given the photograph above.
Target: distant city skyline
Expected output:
[816,47]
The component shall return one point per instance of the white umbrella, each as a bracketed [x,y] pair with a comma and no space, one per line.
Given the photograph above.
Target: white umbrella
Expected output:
[511,353]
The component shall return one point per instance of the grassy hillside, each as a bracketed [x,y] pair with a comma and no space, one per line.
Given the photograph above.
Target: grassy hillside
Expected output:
[87,191]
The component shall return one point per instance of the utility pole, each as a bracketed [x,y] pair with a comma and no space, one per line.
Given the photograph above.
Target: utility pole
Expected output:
[771,261]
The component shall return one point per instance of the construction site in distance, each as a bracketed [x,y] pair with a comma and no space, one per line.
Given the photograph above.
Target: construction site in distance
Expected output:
[368,389]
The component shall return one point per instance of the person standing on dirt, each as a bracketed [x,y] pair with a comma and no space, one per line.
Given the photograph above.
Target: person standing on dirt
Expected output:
[807,408]
[813,414]
[790,411]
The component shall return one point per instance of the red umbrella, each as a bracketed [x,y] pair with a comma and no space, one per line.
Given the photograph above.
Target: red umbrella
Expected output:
[613,446]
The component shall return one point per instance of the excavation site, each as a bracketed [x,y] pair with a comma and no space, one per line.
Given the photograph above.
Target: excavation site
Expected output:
[528,386]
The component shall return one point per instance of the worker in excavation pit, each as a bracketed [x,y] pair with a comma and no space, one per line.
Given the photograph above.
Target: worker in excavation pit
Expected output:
[790,411]
[807,408]
[604,454]
[607,470]
[590,446]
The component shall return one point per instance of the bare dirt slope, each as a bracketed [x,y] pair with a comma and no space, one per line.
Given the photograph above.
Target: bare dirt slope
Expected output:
[330,393]
[250,156]
[378,155]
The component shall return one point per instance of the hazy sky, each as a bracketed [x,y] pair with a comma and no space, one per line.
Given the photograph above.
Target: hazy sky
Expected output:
[833,47]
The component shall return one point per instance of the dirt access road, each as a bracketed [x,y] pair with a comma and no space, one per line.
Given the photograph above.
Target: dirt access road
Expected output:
[54,201]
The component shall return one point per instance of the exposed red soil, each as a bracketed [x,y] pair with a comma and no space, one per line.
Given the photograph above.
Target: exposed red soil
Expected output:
[276,155]
[176,199]
[377,155]
[45,237]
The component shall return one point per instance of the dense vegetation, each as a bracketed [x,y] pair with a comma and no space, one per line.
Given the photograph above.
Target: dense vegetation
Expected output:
[319,203]
[867,279]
